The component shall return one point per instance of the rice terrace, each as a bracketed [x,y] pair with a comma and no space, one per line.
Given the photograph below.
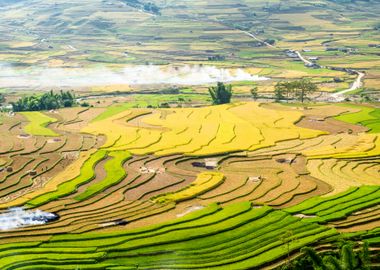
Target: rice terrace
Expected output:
[161,134]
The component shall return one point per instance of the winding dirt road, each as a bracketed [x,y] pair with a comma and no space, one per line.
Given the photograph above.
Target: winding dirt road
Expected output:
[303,59]
[259,39]
[339,96]
[335,97]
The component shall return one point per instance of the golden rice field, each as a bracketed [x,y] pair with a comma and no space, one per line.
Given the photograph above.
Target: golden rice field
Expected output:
[237,186]
[204,131]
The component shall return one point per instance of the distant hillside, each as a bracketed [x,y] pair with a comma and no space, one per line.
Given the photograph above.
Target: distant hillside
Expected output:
[119,32]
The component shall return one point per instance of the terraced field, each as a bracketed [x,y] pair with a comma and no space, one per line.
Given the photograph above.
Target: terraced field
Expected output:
[237,186]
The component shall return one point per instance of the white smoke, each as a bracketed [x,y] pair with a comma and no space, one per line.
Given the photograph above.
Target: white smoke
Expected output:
[18,217]
[35,77]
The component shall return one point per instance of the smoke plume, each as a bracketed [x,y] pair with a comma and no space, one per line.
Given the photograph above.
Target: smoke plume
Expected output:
[18,217]
[39,77]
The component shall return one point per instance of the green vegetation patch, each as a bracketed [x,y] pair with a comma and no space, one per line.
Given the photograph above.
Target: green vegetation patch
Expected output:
[367,116]
[115,174]
[113,110]
[38,123]
[87,173]
[237,236]
[325,209]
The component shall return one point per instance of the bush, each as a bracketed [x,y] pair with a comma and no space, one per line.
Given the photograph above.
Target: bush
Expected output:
[221,94]
[47,101]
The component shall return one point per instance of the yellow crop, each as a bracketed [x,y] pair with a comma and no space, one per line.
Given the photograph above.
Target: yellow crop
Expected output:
[341,174]
[348,146]
[205,181]
[200,131]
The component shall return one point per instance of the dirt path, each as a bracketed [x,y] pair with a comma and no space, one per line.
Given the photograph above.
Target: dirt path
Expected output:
[335,97]
[303,59]
[258,39]
[339,96]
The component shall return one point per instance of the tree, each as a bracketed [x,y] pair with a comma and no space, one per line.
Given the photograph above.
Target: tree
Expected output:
[254,93]
[297,89]
[315,258]
[364,257]
[283,90]
[270,41]
[278,94]
[345,259]
[303,88]
[220,94]
[68,99]
[151,7]
[365,98]
[287,239]
[332,263]
[47,101]
[2,98]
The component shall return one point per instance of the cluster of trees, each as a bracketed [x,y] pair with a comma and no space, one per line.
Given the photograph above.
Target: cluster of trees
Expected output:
[366,97]
[299,90]
[47,101]
[295,90]
[146,6]
[220,94]
[270,41]
[2,98]
[216,58]
[244,25]
[255,93]
[152,8]
[347,258]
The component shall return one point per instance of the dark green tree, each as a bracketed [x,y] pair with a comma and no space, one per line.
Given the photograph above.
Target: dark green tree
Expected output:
[303,88]
[332,263]
[297,89]
[47,101]
[68,99]
[270,41]
[2,98]
[288,239]
[364,257]
[280,91]
[315,258]
[220,94]
[346,259]
[365,98]
[254,93]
